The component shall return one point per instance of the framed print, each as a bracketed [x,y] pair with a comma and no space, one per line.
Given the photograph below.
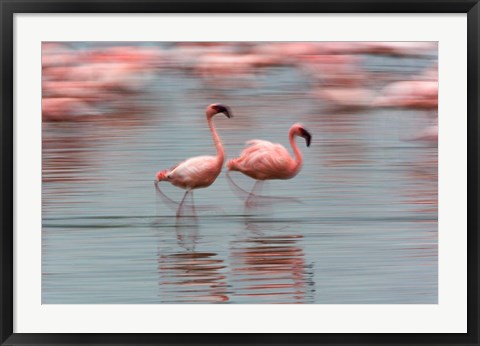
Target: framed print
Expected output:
[250,173]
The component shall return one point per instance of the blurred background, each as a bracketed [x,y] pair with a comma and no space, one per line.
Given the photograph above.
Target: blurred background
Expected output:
[358,224]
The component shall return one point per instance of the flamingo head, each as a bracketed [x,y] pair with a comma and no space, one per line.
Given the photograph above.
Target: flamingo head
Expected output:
[216,108]
[301,131]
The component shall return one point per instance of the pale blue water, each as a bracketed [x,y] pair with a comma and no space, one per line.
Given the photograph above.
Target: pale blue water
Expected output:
[363,227]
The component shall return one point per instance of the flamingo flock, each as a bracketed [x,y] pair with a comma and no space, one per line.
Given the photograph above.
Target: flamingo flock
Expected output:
[75,81]
[79,85]
[100,82]
[261,160]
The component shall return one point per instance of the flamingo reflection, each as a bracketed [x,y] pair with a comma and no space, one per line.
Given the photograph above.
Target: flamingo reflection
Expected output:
[270,268]
[190,276]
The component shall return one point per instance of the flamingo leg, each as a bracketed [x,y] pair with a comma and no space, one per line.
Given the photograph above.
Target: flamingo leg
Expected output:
[252,196]
[187,226]
[190,205]
[168,201]
[241,192]
[175,205]
[193,206]
[180,207]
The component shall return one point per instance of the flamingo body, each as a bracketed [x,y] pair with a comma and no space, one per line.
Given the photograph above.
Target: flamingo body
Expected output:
[194,173]
[263,160]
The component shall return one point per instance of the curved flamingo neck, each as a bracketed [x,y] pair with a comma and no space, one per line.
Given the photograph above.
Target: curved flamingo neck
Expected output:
[217,141]
[296,151]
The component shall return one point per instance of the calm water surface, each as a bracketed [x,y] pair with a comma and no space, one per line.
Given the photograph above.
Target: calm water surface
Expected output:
[359,224]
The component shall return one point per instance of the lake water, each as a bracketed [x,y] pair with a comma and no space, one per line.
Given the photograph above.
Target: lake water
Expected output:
[358,224]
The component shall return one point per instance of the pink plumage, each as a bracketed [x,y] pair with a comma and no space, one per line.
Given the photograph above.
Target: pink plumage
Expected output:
[194,173]
[262,160]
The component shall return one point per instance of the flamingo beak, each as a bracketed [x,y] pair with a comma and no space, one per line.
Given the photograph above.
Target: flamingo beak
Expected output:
[308,137]
[223,109]
[228,114]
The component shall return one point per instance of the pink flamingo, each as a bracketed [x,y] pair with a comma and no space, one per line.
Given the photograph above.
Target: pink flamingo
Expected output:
[263,160]
[416,94]
[200,171]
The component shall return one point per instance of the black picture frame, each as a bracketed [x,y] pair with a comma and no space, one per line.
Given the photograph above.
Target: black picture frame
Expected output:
[10,7]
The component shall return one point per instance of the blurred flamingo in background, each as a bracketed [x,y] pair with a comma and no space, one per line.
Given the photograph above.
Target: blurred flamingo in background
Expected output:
[200,171]
[263,160]
[415,94]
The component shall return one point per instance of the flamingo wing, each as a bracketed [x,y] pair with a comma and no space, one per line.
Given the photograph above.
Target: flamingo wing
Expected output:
[260,144]
[199,171]
[256,146]
[265,160]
